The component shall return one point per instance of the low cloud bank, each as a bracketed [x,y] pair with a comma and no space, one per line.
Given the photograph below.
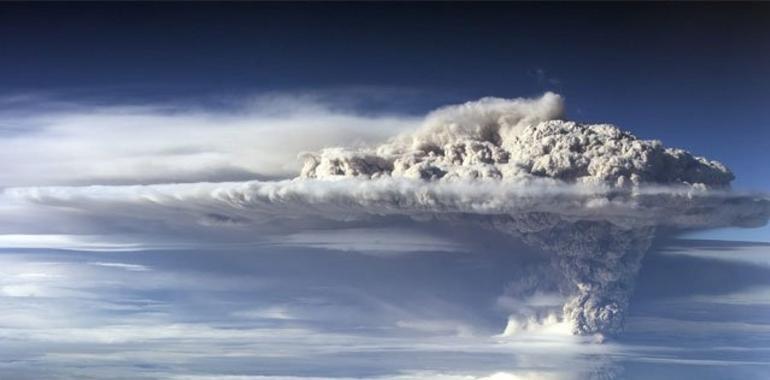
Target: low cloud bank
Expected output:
[591,196]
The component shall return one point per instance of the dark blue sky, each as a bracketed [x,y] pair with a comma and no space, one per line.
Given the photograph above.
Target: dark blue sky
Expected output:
[692,75]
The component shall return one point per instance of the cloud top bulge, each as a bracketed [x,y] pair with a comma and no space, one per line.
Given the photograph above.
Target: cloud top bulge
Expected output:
[589,195]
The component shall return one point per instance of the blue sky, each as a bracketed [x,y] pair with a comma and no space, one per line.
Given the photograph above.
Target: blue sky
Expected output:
[231,270]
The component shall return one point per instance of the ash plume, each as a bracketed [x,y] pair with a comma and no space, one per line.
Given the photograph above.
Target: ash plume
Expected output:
[590,195]
[515,141]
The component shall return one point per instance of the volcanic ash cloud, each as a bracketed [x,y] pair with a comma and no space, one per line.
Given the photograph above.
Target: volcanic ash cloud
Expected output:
[590,195]
[516,142]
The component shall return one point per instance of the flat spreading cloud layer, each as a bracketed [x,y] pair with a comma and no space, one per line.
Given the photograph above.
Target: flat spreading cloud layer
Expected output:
[46,142]
[591,196]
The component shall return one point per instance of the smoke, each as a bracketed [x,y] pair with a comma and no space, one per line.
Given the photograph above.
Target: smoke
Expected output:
[518,140]
[591,196]
[513,139]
